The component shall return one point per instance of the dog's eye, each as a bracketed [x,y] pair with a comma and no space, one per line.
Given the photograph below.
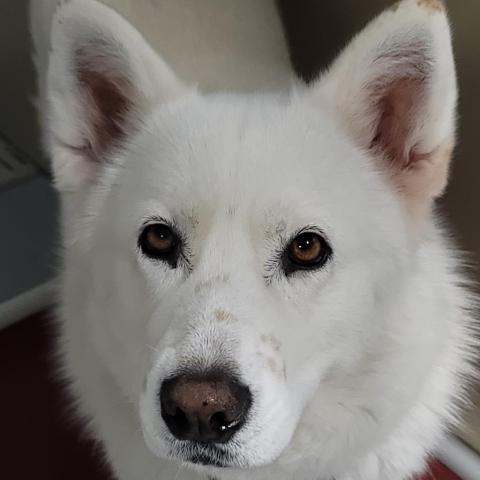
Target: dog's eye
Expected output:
[308,250]
[159,241]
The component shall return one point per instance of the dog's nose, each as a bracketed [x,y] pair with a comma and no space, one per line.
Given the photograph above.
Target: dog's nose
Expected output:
[204,408]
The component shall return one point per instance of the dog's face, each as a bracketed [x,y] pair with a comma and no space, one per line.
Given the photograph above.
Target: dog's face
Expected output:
[240,256]
[243,256]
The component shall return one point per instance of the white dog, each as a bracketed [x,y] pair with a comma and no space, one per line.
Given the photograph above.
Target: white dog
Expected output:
[254,285]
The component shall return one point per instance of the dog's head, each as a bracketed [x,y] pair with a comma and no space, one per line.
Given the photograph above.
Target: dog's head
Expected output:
[245,259]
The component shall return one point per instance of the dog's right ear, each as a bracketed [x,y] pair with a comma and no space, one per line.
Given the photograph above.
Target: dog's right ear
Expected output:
[394,91]
[102,78]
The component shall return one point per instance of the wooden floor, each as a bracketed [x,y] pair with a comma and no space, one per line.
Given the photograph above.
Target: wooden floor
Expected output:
[39,440]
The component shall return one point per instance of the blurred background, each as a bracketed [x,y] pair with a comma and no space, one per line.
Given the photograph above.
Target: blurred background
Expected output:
[316,30]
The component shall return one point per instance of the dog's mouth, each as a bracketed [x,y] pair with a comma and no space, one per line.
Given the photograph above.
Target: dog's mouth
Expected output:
[204,455]
[208,460]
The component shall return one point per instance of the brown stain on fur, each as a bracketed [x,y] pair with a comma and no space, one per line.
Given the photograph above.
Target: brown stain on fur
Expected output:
[272,365]
[272,341]
[222,315]
[433,6]
[279,371]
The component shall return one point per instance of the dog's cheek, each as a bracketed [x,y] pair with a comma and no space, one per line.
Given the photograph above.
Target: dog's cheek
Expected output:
[118,322]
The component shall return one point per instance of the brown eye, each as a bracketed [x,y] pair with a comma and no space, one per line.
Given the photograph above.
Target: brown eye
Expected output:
[306,251]
[159,241]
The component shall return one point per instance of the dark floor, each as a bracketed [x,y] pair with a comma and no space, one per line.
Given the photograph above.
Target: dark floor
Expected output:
[39,440]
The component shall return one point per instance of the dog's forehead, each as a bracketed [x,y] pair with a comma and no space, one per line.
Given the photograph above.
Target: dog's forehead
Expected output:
[264,164]
[232,150]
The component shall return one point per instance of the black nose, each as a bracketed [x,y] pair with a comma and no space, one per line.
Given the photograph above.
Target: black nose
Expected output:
[204,408]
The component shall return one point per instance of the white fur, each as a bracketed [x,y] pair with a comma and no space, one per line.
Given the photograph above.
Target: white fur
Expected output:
[357,369]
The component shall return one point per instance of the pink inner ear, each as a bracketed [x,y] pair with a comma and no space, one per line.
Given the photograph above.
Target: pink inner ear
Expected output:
[106,104]
[418,176]
[398,106]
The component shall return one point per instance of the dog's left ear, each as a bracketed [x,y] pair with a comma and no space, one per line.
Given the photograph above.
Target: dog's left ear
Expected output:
[394,91]
[103,80]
